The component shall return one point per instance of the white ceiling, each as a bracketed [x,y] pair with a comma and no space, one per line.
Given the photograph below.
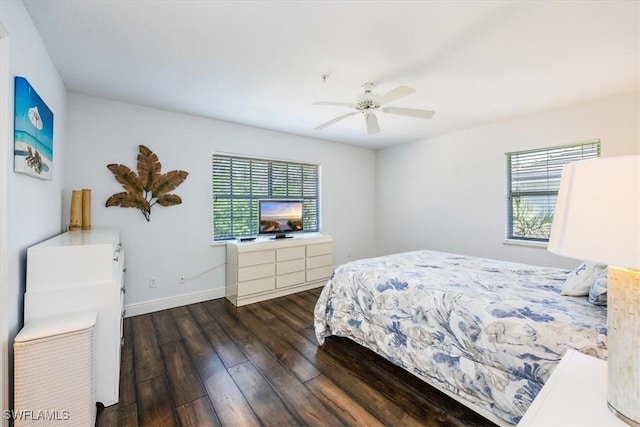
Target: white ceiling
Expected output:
[259,62]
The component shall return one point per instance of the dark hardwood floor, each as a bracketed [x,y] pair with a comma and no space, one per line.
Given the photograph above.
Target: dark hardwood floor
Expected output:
[212,364]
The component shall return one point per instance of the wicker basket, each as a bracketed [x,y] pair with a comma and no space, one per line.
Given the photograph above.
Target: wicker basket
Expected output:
[54,371]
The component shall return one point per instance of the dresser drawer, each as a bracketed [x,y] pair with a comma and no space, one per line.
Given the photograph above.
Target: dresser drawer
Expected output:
[286,254]
[319,249]
[70,258]
[258,285]
[285,267]
[255,272]
[290,279]
[320,261]
[255,258]
[321,273]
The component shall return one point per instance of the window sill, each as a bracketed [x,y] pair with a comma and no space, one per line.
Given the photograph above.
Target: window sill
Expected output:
[526,243]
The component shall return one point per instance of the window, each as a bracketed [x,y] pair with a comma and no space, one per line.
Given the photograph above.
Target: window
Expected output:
[239,182]
[532,183]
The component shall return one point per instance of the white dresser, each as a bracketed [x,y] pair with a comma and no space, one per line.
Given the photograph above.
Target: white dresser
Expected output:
[82,270]
[270,268]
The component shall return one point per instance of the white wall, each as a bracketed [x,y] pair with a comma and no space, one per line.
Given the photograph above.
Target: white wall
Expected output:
[448,193]
[34,206]
[177,240]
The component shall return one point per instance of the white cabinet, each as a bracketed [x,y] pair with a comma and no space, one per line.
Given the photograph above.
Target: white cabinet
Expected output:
[77,271]
[270,268]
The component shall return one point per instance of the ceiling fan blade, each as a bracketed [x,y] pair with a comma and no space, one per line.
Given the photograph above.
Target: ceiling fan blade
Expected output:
[412,112]
[372,123]
[337,119]
[338,104]
[396,93]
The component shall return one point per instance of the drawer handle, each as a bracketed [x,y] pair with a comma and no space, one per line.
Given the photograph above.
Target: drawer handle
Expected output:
[116,258]
[124,270]
[123,290]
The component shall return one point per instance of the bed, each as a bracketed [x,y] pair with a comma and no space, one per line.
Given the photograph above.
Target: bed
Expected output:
[487,332]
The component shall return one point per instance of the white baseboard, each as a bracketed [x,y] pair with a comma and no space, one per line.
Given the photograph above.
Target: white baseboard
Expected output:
[145,307]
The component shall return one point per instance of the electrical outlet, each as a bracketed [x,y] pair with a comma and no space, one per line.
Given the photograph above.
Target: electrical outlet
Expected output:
[153,282]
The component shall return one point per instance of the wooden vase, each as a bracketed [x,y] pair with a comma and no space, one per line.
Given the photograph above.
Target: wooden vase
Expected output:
[76,210]
[86,209]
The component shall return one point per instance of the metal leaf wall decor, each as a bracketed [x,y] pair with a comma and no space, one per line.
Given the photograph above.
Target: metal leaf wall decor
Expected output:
[148,186]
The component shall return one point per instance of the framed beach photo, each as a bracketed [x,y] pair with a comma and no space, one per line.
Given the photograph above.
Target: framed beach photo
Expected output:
[33,133]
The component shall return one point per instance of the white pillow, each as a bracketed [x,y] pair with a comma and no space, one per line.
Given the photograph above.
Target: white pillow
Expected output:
[580,280]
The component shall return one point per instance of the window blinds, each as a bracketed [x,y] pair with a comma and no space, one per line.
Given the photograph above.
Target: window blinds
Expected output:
[239,182]
[533,183]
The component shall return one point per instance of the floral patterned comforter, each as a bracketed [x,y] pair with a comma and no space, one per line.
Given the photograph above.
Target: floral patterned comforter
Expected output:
[489,331]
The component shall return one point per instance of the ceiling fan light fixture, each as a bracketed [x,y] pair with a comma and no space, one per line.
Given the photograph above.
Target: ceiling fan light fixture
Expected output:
[366,102]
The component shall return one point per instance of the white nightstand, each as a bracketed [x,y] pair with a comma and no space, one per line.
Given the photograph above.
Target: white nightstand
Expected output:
[574,395]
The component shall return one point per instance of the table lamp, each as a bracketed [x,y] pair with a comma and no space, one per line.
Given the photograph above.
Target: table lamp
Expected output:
[597,218]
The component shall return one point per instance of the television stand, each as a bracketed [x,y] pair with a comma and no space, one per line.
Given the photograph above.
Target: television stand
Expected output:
[281,236]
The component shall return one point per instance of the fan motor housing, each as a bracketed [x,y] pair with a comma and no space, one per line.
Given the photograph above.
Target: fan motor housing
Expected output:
[367,101]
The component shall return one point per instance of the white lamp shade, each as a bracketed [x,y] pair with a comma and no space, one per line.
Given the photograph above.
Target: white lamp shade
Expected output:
[597,215]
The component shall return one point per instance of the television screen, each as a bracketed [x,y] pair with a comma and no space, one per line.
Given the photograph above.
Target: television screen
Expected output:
[280,216]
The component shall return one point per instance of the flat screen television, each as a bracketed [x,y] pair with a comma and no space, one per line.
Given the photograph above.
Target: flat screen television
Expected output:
[280,216]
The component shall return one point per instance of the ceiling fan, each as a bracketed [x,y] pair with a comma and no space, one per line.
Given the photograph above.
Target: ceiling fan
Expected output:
[369,102]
